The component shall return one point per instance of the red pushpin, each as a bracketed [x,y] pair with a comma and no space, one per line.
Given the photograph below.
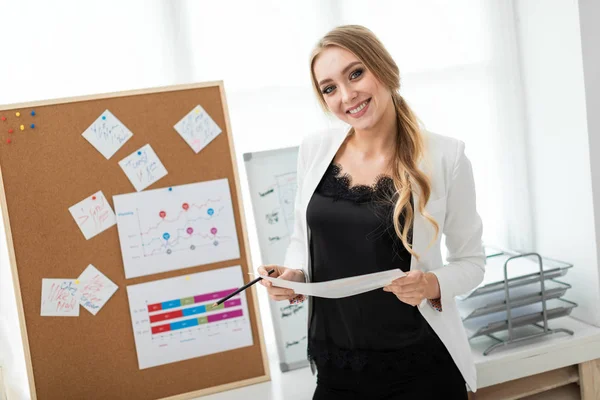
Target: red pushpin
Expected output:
[10,131]
[93,197]
[3,118]
[8,141]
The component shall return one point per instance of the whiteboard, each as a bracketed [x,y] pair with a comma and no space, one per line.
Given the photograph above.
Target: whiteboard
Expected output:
[272,182]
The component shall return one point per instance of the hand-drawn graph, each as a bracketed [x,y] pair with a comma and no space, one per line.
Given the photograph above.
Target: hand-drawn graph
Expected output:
[173,319]
[277,201]
[177,227]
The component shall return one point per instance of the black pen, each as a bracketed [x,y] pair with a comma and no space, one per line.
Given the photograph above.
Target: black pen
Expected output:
[246,286]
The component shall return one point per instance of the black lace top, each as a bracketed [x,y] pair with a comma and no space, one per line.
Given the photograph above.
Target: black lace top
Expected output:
[352,234]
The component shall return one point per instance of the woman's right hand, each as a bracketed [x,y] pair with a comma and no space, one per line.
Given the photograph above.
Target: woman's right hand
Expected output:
[279,293]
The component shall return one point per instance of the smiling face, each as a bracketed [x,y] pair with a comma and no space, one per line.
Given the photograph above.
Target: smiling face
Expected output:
[352,93]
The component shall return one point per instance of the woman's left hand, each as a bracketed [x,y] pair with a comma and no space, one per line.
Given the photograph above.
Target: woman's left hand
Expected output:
[414,287]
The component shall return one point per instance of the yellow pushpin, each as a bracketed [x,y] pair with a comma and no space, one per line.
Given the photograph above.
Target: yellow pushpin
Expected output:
[18,114]
[77,281]
[187,278]
[22,127]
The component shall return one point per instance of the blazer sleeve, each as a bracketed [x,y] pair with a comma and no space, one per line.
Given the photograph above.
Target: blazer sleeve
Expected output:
[463,230]
[295,256]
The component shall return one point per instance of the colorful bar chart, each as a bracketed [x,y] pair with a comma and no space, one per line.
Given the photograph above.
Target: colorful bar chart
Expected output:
[202,298]
[194,321]
[173,319]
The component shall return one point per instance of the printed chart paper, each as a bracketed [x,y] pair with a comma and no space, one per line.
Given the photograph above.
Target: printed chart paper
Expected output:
[107,134]
[59,298]
[338,288]
[94,289]
[93,215]
[143,167]
[173,319]
[178,227]
[197,128]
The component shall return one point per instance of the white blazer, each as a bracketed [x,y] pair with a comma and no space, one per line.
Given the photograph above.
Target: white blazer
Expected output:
[451,204]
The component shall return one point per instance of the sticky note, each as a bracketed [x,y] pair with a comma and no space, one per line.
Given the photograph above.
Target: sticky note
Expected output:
[197,128]
[107,134]
[59,298]
[95,289]
[93,215]
[143,167]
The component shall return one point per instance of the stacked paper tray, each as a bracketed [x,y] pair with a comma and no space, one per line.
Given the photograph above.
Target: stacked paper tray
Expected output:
[531,293]
[521,271]
[520,316]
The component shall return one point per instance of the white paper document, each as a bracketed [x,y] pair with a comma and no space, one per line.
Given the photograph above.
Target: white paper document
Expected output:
[177,227]
[197,128]
[59,298]
[94,289]
[143,167]
[173,319]
[339,288]
[107,134]
[93,215]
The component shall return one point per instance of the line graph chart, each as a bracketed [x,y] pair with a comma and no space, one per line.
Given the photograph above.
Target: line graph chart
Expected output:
[176,227]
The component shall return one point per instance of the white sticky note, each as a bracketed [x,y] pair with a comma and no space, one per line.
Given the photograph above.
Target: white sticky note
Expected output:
[94,289]
[59,298]
[197,128]
[107,134]
[143,167]
[93,215]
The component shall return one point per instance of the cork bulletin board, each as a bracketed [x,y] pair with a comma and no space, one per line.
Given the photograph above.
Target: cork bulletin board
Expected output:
[46,166]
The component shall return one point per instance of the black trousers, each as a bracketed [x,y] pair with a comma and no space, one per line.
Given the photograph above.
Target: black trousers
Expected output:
[444,382]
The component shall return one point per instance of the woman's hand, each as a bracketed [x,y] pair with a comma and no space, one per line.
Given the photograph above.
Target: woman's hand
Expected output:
[278,293]
[414,287]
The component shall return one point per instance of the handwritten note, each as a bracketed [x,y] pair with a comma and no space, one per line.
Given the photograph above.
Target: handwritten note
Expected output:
[197,128]
[59,298]
[107,134]
[93,215]
[94,289]
[143,167]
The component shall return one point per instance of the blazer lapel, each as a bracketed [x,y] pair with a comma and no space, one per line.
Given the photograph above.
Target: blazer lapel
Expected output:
[312,180]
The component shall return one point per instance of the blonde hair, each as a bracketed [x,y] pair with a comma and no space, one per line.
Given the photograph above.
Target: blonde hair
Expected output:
[410,146]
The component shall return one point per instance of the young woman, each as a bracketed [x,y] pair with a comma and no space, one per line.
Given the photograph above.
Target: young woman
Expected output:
[373,198]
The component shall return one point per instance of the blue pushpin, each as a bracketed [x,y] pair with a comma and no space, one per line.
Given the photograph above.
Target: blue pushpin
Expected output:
[32,126]
[104,117]
[32,113]
[170,189]
[139,153]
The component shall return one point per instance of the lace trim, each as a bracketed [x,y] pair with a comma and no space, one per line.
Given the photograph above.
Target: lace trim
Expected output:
[338,185]
[411,359]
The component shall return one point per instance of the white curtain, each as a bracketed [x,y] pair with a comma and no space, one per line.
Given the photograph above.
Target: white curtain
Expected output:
[459,67]
[458,60]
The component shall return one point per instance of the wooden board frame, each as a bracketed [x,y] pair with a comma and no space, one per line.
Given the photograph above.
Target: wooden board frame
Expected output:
[262,371]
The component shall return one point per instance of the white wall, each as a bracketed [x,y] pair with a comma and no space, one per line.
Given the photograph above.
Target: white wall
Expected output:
[558,143]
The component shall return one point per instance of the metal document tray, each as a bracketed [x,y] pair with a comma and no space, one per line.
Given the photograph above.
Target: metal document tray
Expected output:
[519,296]
[522,271]
[521,316]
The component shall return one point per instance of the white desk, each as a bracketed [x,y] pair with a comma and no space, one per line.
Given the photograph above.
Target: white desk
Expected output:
[502,365]
[545,354]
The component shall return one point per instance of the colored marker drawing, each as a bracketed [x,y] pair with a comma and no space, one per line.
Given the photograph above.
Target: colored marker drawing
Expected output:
[162,230]
[59,298]
[107,134]
[197,128]
[143,167]
[95,289]
[93,215]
